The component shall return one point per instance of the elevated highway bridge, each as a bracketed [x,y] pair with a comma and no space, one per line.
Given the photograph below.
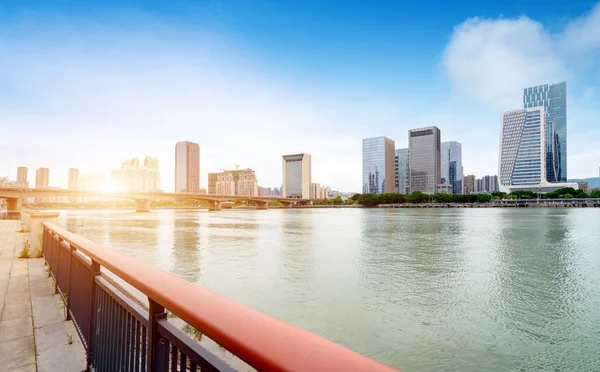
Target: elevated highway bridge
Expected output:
[14,198]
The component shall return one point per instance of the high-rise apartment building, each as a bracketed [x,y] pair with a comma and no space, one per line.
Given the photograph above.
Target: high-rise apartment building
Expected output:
[424,159]
[469,184]
[401,171]
[241,182]
[187,167]
[296,171]
[73,178]
[22,182]
[378,165]
[553,98]
[212,183]
[42,178]
[522,162]
[134,176]
[451,165]
[73,182]
[486,184]
[315,191]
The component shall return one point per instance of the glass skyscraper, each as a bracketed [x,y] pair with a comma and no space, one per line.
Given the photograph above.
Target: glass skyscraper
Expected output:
[451,168]
[401,165]
[424,159]
[378,165]
[522,156]
[553,97]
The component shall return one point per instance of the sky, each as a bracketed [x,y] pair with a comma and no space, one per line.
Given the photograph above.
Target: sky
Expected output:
[88,84]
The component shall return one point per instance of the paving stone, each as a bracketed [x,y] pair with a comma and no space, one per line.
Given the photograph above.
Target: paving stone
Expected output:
[15,328]
[16,310]
[46,310]
[16,353]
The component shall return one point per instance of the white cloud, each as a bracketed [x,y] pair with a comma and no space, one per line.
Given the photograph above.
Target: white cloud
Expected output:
[493,59]
[583,34]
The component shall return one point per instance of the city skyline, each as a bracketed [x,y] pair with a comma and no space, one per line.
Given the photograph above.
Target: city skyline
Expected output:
[212,77]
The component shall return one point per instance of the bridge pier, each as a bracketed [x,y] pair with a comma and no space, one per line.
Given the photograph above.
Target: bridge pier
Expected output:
[261,205]
[214,205]
[286,204]
[142,205]
[13,207]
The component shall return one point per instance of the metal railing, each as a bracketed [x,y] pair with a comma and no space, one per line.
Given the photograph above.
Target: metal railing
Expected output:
[120,335]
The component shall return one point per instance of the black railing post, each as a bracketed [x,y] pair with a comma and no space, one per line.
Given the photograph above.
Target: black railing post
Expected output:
[158,352]
[92,332]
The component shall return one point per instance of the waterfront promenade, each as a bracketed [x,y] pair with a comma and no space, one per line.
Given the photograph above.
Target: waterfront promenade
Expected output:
[34,335]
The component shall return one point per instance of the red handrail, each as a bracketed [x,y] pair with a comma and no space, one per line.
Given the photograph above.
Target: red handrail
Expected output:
[260,340]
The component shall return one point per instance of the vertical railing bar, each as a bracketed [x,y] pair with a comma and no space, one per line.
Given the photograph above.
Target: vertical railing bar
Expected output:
[93,311]
[144,348]
[101,358]
[106,330]
[132,342]
[57,275]
[117,336]
[127,343]
[68,304]
[113,319]
[192,365]
[183,362]
[138,346]
[173,358]
[122,337]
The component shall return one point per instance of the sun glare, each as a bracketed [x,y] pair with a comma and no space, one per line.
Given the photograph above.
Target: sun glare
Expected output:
[108,187]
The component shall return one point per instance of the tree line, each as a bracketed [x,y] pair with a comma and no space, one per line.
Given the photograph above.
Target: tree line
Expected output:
[420,197]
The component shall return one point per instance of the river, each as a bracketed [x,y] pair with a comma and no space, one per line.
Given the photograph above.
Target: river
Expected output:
[418,289]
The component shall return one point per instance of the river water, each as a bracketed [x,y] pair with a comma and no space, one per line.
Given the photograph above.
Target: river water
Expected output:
[418,289]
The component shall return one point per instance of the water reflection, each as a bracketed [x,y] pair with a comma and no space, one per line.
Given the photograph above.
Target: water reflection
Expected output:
[186,250]
[539,297]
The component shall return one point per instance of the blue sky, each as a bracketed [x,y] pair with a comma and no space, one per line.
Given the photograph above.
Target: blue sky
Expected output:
[89,84]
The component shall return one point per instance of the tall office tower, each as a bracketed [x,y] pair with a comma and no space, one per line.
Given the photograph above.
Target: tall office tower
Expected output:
[424,159]
[296,171]
[187,167]
[553,97]
[469,184]
[451,165]
[42,178]
[522,157]
[401,164]
[378,165]
[22,178]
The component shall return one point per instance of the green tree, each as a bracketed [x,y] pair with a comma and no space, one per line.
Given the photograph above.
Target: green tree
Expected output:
[595,194]
[417,197]
[484,198]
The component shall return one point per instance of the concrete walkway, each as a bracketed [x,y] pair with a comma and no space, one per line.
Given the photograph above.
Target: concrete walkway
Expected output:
[34,335]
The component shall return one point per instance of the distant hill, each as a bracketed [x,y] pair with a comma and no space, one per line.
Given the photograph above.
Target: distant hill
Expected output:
[593,182]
